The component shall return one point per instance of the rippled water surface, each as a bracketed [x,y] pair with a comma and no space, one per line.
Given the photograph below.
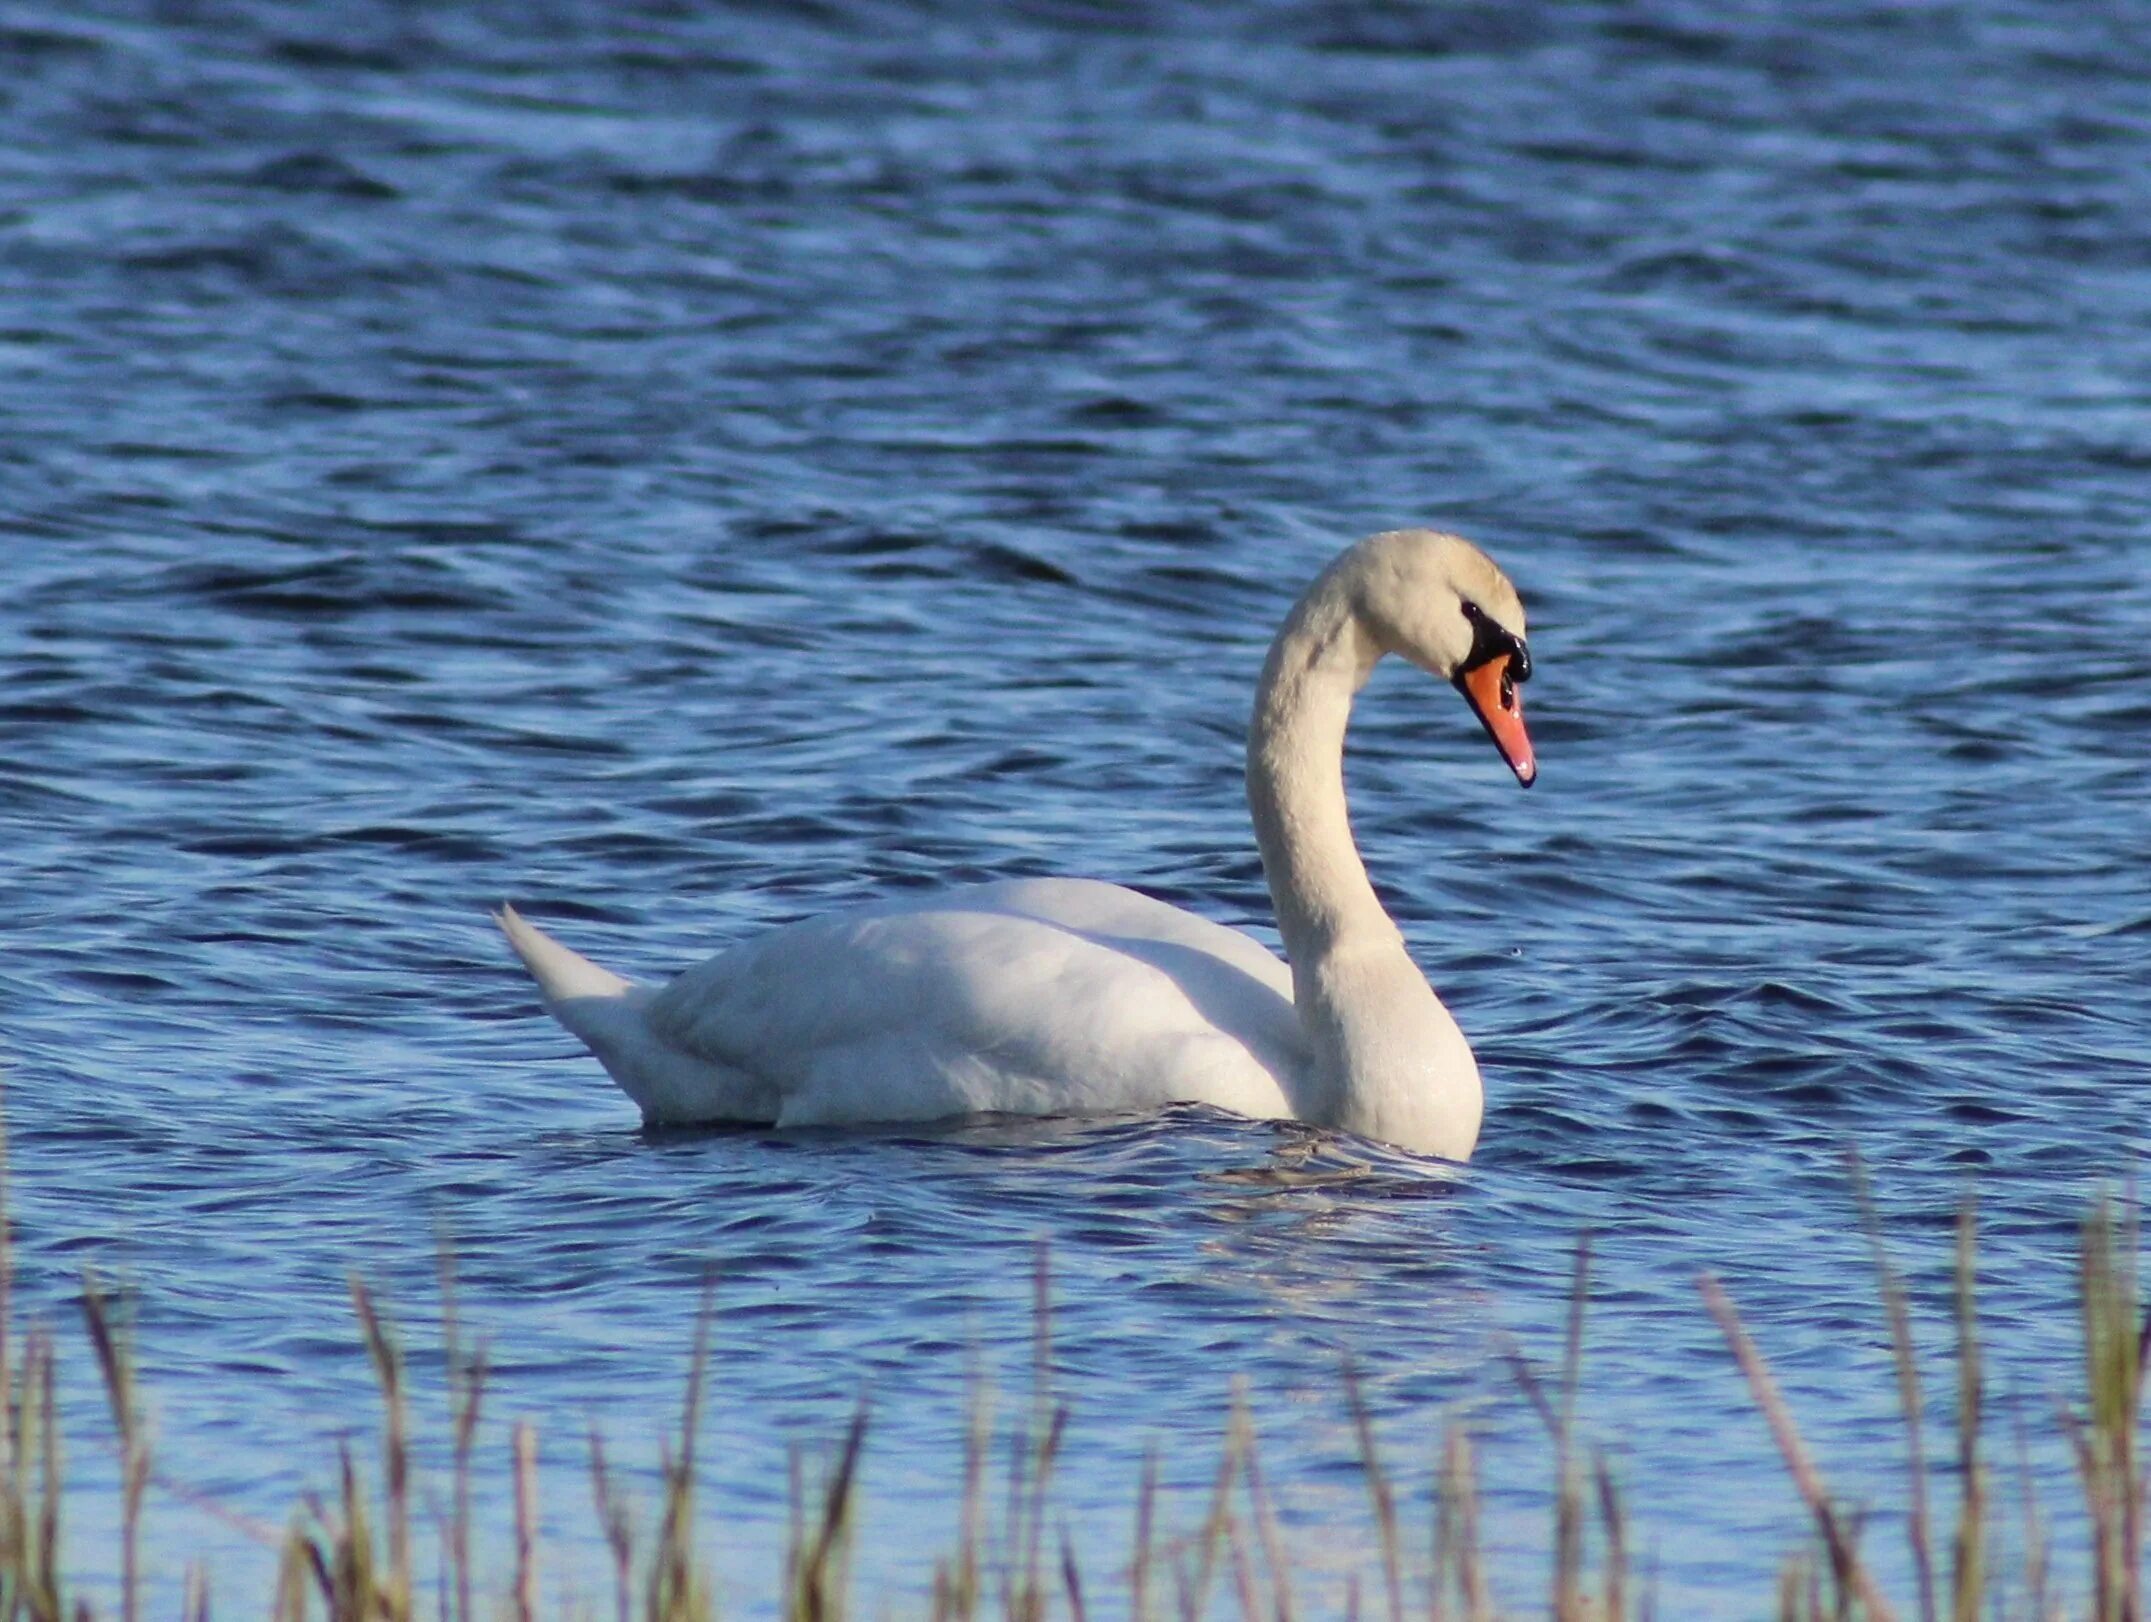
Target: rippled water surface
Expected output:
[685,468]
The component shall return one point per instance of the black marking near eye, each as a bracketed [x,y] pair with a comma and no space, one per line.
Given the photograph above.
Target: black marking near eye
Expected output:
[1490,639]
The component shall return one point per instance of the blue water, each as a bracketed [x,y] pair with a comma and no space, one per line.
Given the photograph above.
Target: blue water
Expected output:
[686,468]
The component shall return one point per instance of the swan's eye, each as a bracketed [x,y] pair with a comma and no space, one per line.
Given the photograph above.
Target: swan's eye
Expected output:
[1490,640]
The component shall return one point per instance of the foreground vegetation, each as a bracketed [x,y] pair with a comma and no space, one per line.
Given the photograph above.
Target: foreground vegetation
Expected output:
[350,1553]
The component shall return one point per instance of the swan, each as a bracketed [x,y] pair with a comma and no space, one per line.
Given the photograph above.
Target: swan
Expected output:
[1050,996]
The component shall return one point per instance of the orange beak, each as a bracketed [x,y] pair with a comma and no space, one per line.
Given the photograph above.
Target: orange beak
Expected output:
[1494,699]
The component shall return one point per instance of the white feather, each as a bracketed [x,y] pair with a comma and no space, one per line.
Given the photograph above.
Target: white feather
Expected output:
[1074,997]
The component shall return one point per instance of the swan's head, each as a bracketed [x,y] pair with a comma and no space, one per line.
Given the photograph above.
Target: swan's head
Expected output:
[1440,602]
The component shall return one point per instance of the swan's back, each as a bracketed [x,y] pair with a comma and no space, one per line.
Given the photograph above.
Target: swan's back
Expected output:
[1036,996]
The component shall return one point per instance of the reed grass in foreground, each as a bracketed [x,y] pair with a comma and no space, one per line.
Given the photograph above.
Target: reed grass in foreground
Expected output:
[351,1553]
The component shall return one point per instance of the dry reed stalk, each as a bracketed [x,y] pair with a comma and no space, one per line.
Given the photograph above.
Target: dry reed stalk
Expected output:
[13,1517]
[387,1360]
[7,1292]
[340,1552]
[1443,1555]
[1193,1589]
[956,1580]
[1789,1591]
[678,1590]
[466,1374]
[1263,1513]
[2117,1343]
[1849,1570]
[977,1445]
[1049,1453]
[1024,1586]
[2131,1330]
[51,1475]
[31,1549]
[1968,1564]
[1378,1492]
[1569,1512]
[1566,1554]
[1236,1548]
[617,1523]
[1243,1570]
[1072,1580]
[292,1572]
[1911,1405]
[526,1522]
[1571,1501]
[1613,1601]
[30,1581]
[1146,1526]
[2036,1556]
[1183,1592]
[115,1363]
[817,1560]
[1456,1533]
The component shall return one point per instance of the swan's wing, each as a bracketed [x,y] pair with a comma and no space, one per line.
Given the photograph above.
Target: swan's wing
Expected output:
[1113,910]
[1042,996]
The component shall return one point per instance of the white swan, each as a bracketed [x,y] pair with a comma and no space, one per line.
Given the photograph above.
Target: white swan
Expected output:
[1074,997]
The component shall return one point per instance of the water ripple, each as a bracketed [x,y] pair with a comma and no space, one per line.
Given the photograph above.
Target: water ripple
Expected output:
[686,471]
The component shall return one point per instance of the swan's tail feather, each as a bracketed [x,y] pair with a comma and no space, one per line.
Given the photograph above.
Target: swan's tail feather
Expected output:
[562,975]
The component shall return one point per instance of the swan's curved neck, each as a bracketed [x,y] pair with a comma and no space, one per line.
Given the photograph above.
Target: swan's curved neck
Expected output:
[1388,1060]
[1295,780]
